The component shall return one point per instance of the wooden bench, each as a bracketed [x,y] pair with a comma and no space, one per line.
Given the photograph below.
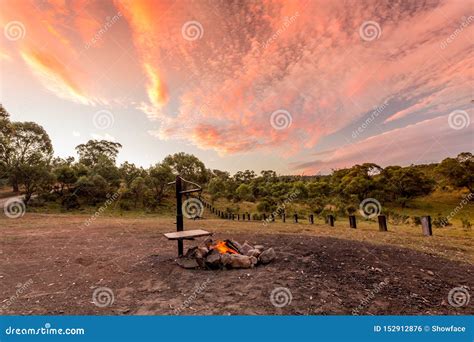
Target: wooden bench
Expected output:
[187,234]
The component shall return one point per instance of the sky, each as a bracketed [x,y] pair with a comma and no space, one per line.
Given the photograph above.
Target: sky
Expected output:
[300,87]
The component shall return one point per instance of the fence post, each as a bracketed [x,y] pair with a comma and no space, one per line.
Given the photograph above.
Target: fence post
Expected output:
[238,217]
[295,218]
[283,217]
[248,216]
[352,221]
[331,220]
[382,223]
[426,225]
[264,217]
[311,219]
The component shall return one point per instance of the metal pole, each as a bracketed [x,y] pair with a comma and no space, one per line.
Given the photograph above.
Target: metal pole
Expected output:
[179,213]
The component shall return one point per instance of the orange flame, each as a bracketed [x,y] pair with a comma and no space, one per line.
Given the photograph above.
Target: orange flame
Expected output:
[223,248]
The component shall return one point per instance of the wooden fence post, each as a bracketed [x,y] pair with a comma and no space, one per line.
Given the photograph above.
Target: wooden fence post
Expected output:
[295,218]
[264,217]
[352,221]
[331,220]
[248,216]
[238,217]
[311,219]
[382,223]
[283,217]
[426,225]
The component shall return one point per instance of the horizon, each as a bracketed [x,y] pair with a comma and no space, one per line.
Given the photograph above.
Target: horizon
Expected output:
[305,86]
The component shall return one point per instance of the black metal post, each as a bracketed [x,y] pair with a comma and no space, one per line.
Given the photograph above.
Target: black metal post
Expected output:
[331,220]
[382,223]
[179,213]
[352,221]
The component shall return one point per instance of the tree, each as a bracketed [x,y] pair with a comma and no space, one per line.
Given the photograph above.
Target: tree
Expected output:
[187,166]
[359,181]
[34,178]
[128,172]
[405,183]
[29,144]
[244,192]
[138,188]
[66,176]
[95,151]
[459,171]
[158,178]
[5,133]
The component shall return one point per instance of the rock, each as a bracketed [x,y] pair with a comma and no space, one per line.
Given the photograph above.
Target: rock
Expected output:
[213,259]
[208,242]
[254,253]
[259,247]
[187,262]
[267,256]
[237,261]
[253,260]
[431,273]
[245,248]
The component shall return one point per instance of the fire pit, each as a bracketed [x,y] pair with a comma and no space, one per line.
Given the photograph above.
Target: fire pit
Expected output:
[226,254]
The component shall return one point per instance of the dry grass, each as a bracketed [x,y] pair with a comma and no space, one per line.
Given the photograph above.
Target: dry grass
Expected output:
[453,243]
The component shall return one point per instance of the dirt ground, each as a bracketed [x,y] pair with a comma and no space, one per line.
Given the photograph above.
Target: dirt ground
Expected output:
[51,264]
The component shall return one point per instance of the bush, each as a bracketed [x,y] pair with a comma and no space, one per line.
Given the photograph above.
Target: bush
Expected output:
[466,224]
[416,220]
[441,221]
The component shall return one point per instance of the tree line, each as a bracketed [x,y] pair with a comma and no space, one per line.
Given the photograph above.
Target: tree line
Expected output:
[28,165]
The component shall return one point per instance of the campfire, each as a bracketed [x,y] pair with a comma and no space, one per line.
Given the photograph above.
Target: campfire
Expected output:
[226,254]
